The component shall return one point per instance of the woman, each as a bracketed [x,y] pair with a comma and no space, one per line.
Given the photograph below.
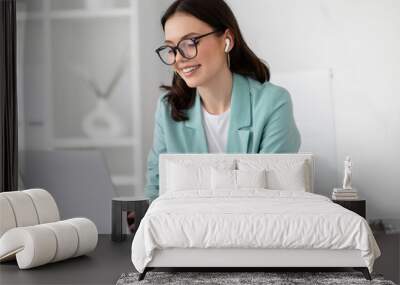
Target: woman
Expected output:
[220,99]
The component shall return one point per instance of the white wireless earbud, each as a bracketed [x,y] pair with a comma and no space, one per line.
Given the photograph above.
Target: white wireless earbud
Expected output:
[227,43]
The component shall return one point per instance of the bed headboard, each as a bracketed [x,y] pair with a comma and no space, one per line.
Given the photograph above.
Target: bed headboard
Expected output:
[200,157]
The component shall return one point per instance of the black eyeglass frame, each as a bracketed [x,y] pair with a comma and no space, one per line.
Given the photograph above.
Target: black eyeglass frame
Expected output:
[195,41]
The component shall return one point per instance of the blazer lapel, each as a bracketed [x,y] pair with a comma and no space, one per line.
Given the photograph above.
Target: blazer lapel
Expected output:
[196,139]
[238,136]
[240,118]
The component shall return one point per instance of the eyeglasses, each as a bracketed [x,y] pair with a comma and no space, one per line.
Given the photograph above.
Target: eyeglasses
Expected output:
[186,47]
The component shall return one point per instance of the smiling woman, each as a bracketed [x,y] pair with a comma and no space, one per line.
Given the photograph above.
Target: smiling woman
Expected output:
[220,99]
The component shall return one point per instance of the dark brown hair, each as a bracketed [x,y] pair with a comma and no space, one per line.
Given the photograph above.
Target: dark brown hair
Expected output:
[218,15]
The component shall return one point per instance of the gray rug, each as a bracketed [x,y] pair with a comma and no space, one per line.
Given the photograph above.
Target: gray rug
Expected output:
[230,278]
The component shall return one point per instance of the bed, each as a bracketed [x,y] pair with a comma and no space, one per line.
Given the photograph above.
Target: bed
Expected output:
[247,211]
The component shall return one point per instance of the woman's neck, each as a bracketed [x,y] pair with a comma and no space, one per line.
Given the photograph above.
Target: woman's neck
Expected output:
[216,94]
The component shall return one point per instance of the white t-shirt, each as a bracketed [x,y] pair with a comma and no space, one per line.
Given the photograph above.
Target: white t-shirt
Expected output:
[216,129]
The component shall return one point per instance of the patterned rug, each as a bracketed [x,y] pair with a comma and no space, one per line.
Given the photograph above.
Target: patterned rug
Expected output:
[270,278]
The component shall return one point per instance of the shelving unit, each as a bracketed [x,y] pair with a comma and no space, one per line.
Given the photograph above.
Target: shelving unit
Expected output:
[76,14]
[94,38]
[71,143]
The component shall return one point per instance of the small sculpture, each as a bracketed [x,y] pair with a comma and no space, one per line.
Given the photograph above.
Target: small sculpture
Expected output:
[347,173]
[102,121]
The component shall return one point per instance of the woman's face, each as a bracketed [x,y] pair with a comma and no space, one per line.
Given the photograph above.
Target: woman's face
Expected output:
[210,59]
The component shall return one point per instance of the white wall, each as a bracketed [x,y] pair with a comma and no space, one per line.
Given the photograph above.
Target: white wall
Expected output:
[360,42]
[152,71]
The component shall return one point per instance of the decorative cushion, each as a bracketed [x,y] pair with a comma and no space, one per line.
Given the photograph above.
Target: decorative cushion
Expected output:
[236,179]
[251,178]
[223,179]
[189,176]
[281,175]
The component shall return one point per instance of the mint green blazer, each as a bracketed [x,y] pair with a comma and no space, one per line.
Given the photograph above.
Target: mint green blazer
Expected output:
[261,121]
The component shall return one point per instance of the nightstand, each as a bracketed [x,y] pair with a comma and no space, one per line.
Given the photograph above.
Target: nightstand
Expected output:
[357,206]
[136,204]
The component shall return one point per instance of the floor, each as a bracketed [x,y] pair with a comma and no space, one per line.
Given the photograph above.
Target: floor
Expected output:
[103,266]
[388,263]
[111,259]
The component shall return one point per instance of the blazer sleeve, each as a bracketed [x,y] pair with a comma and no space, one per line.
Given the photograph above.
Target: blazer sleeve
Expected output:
[280,134]
[152,176]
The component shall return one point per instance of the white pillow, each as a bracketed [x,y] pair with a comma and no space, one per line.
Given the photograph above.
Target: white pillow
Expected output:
[223,179]
[187,175]
[291,178]
[281,174]
[182,177]
[237,179]
[251,178]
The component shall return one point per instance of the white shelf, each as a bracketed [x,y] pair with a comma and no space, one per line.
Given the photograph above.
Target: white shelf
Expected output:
[76,14]
[88,143]
[84,14]
[124,180]
[22,16]
[48,20]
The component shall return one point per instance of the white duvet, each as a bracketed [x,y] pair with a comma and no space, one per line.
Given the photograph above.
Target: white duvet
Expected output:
[250,218]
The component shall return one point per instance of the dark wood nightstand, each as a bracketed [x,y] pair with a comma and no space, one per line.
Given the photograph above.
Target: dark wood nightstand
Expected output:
[357,206]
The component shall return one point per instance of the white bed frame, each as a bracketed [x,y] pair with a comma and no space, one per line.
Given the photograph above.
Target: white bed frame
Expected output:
[250,257]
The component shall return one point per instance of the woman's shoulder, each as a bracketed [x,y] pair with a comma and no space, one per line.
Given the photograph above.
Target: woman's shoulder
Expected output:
[267,91]
[162,98]
[162,107]
[162,102]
